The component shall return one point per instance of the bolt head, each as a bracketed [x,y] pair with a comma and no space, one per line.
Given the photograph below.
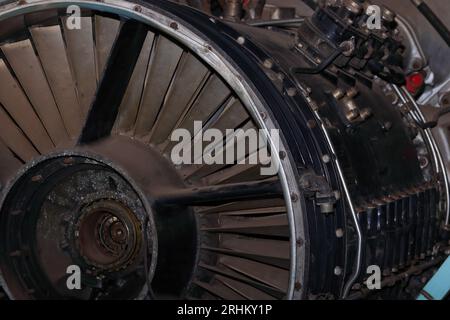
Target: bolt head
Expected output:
[326,158]
[268,64]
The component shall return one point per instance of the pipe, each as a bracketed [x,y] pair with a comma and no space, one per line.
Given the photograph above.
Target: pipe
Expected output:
[281,22]
[433,19]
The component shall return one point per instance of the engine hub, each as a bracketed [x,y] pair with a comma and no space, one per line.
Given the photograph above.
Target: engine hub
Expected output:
[358,181]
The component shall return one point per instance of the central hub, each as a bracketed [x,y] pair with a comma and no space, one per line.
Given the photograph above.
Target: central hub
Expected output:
[108,235]
[92,208]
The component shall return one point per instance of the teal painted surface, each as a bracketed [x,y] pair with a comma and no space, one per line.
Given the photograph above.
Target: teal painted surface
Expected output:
[439,285]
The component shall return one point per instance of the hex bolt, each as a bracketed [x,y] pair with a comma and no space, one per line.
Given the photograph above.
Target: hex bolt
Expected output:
[338,94]
[327,207]
[292,92]
[352,92]
[348,47]
[268,64]
[36,178]
[388,15]
[353,6]
[365,113]
[423,162]
[352,115]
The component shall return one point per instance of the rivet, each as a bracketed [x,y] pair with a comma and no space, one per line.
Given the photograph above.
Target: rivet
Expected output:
[294,197]
[311,124]
[298,286]
[137,8]
[339,233]
[338,271]
[174,25]
[282,155]
[337,194]
[241,40]
[326,158]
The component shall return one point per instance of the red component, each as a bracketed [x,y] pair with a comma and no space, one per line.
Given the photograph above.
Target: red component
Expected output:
[415,83]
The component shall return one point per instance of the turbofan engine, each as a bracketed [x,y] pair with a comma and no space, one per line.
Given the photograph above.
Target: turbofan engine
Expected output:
[91,94]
